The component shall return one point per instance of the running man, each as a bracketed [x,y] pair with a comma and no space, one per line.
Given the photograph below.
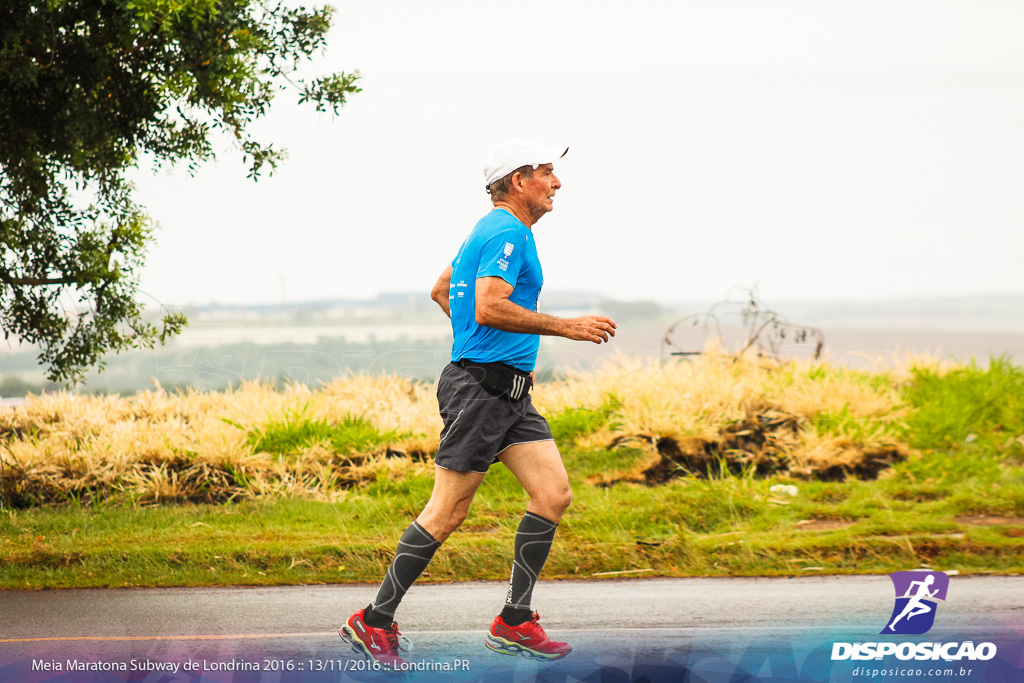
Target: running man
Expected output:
[490,292]
[915,606]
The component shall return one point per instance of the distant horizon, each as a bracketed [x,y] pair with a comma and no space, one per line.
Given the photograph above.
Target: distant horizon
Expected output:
[601,295]
[996,314]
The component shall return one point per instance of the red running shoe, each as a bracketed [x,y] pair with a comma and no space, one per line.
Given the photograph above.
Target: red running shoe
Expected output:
[379,645]
[528,639]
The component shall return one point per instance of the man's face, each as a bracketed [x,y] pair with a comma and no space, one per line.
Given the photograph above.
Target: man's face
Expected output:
[539,191]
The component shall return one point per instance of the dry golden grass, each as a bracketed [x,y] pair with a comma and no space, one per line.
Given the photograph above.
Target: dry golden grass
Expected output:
[753,411]
[157,447]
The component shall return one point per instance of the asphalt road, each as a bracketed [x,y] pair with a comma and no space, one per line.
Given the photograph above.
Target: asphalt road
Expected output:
[630,621]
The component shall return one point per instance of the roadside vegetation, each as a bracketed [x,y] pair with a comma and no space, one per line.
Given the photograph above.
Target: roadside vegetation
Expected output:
[714,466]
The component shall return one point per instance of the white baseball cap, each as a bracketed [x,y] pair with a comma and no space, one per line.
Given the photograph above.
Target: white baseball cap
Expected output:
[514,153]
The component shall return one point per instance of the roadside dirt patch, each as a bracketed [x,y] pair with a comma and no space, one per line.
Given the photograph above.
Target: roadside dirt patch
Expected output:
[989,520]
[767,442]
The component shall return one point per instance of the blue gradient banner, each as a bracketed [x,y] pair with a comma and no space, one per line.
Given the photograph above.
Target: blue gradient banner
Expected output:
[840,655]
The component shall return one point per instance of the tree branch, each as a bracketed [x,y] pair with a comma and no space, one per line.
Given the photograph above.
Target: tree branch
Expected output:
[19,281]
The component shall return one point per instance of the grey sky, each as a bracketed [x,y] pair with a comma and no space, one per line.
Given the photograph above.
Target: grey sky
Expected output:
[826,150]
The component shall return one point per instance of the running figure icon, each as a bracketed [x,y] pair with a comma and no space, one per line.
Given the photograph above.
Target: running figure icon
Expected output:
[915,605]
[918,594]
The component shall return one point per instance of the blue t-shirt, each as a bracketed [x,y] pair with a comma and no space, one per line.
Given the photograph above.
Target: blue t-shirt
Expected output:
[500,245]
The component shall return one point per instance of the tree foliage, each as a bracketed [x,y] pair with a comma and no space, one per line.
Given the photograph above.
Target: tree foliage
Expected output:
[90,89]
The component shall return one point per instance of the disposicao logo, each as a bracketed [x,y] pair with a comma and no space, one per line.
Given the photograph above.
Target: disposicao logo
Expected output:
[916,593]
[914,614]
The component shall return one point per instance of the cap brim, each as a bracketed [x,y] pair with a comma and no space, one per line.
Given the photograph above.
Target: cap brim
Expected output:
[548,155]
[555,150]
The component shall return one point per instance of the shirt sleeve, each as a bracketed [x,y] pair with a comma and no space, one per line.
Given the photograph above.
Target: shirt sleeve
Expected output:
[502,256]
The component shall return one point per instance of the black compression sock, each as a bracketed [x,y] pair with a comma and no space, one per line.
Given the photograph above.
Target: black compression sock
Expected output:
[415,550]
[513,616]
[376,620]
[533,543]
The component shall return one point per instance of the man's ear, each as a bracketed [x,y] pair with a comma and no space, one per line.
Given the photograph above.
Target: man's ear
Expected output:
[518,183]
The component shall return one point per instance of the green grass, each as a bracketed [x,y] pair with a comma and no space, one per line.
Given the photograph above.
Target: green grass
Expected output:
[572,423]
[352,434]
[725,526]
[987,402]
[921,512]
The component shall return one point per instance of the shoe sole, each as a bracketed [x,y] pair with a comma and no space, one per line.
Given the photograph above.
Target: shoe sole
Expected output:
[348,635]
[504,647]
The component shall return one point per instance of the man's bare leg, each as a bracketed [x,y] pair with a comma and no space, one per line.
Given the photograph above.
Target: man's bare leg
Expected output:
[449,501]
[445,511]
[538,467]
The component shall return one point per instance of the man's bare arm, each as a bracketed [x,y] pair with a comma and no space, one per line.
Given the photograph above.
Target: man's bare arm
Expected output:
[494,309]
[440,291]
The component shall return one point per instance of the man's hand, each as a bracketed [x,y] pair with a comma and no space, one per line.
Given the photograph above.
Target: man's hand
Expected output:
[592,328]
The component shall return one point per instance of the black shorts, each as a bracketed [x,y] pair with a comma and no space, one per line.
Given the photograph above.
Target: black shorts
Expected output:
[478,426]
